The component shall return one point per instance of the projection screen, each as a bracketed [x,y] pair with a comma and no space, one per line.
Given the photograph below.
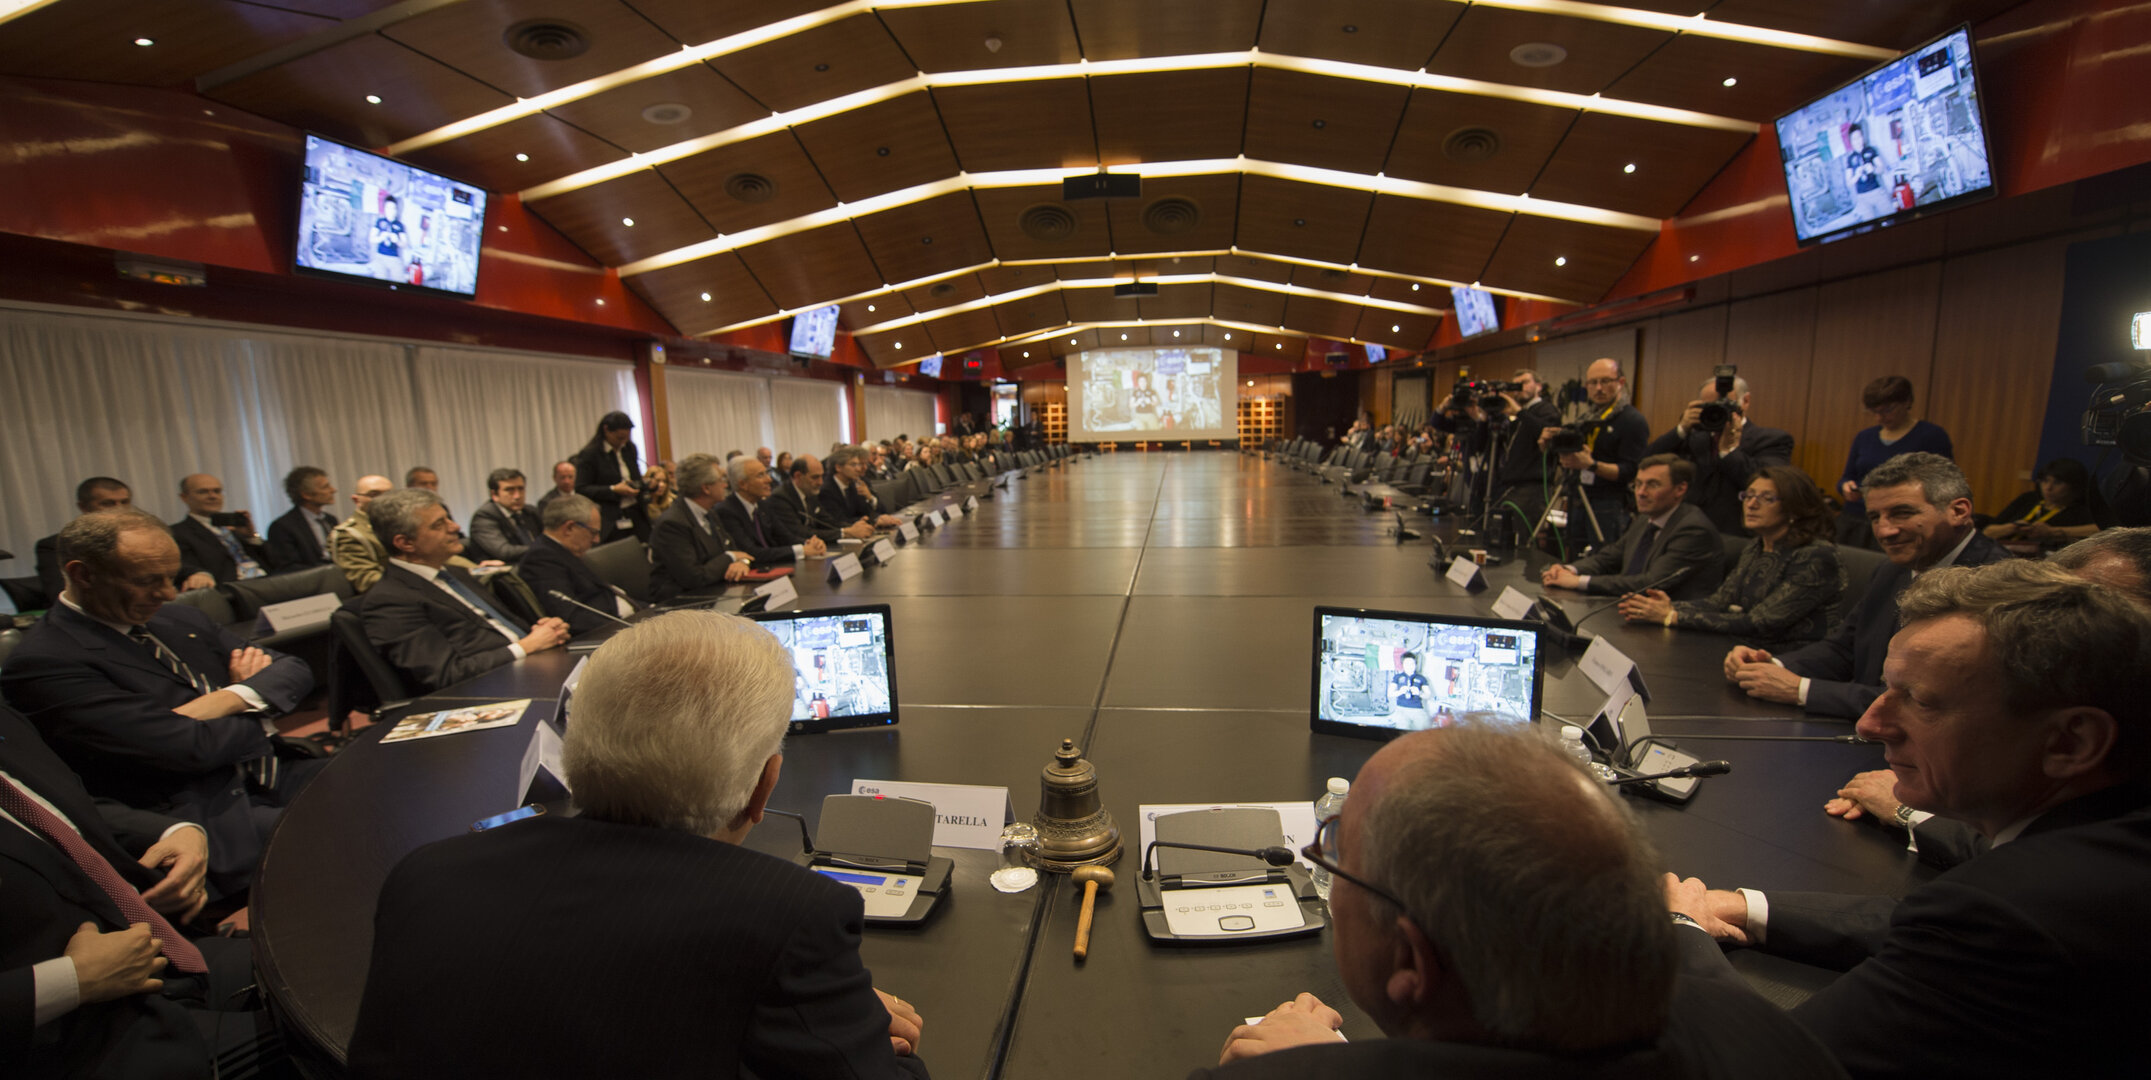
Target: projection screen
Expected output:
[1128,395]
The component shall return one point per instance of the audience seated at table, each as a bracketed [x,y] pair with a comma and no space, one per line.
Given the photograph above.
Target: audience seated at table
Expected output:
[554,564]
[1498,913]
[151,703]
[747,519]
[431,620]
[795,507]
[685,954]
[1785,585]
[299,538]
[846,498]
[504,528]
[2015,705]
[693,548]
[1668,537]
[1920,509]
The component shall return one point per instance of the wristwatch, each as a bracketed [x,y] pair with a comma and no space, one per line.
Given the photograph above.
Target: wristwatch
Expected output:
[1904,815]
[1681,918]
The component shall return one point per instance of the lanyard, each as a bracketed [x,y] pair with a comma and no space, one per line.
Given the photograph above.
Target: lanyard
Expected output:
[1590,446]
[2039,514]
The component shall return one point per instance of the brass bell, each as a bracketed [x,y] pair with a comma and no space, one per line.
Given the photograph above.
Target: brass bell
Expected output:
[1073,829]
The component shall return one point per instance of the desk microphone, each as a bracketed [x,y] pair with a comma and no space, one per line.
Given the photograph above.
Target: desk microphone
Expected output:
[558,595]
[1661,583]
[1278,855]
[1700,768]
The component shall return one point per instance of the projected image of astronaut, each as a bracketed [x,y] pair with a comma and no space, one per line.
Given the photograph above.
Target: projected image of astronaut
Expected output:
[1143,402]
[388,241]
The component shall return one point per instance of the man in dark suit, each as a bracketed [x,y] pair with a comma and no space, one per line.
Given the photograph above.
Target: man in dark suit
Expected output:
[215,547]
[796,506]
[1668,537]
[299,538]
[746,520]
[150,702]
[94,495]
[554,564]
[101,1000]
[846,498]
[692,549]
[1921,510]
[433,621]
[1725,460]
[563,484]
[1523,471]
[504,528]
[719,961]
[1498,913]
[2015,705]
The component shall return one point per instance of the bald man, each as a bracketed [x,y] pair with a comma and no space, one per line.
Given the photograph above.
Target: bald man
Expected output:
[358,553]
[214,547]
[1614,435]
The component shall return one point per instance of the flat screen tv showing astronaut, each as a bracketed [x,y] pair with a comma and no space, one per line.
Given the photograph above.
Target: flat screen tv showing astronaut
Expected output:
[377,219]
[1119,395]
[843,666]
[1379,674]
[1904,139]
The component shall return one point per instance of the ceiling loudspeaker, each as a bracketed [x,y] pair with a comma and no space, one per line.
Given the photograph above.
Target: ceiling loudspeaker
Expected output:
[546,39]
[1172,215]
[667,112]
[750,187]
[1471,144]
[1133,290]
[1102,186]
[1050,222]
[942,288]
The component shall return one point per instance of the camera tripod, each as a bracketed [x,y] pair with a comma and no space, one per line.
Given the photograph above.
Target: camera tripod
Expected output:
[1570,487]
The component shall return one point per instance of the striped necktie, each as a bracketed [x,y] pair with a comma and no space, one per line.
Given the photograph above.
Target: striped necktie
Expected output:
[171,661]
[176,948]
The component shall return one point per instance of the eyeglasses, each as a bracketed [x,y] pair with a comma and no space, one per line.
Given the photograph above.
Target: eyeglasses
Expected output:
[583,527]
[1326,853]
[1760,498]
[1601,382]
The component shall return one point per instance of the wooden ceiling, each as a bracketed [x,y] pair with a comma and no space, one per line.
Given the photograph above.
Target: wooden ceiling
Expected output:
[1311,167]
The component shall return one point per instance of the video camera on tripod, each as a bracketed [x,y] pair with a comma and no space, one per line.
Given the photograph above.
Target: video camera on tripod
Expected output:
[1485,393]
[2119,412]
[1572,438]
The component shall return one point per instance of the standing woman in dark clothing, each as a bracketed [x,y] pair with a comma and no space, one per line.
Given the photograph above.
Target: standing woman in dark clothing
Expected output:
[1784,588]
[608,472]
[1895,432]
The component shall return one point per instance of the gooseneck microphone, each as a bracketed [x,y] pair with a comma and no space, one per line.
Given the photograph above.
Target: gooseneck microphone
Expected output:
[1700,768]
[1661,583]
[558,595]
[1275,856]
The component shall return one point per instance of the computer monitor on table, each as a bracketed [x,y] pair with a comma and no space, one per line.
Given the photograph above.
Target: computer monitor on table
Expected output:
[1379,674]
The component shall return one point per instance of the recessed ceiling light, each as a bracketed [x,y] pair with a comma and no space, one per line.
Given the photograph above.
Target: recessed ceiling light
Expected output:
[1349,29]
[1250,382]
[1415,286]
[1123,337]
[601,301]
[502,228]
[373,99]
[1071,341]
[1695,258]
[870,309]
[628,221]
[1629,168]
[1320,124]
[1396,329]
[522,157]
[144,42]
[821,67]
[1560,260]
[1176,333]
[1026,354]
[1280,345]
[1228,337]
[1299,221]
[1730,81]
[899,344]
[705,298]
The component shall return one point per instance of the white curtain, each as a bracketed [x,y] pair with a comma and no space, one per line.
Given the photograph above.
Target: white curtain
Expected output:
[808,413]
[891,412]
[149,401]
[712,412]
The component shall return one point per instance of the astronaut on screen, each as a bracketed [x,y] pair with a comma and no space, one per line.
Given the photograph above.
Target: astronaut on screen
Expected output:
[1151,390]
[1411,676]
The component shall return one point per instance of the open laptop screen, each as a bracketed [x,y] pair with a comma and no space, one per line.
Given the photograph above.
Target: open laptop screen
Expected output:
[1378,674]
[843,666]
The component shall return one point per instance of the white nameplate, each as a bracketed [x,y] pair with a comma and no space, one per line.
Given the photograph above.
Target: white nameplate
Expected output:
[883,551]
[955,511]
[306,611]
[1512,604]
[1608,669]
[780,592]
[937,519]
[542,753]
[1465,572]
[844,568]
[971,503]
[1296,818]
[965,815]
[907,533]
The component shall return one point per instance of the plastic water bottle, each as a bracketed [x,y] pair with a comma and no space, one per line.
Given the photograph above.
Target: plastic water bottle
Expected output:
[1572,745]
[1326,808]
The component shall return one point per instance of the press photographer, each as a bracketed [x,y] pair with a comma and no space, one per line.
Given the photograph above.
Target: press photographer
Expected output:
[1716,433]
[1602,444]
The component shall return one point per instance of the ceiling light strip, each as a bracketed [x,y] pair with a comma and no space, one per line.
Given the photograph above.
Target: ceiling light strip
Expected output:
[1697,25]
[1560,99]
[1284,288]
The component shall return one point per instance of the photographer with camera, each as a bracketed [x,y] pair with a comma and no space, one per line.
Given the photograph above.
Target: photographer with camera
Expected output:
[1603,448]
[1524,473]
[1716,435]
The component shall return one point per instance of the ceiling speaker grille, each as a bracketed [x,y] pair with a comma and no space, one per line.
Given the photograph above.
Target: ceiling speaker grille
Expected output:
[750,187]
[1050,222]
[667,112]
[546,39]
[1172,215]
[1471,144]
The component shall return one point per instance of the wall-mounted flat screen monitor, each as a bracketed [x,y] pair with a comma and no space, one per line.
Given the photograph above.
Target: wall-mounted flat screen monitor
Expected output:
[1475,310]
[931,366]
[814,333]
[1376,354]
[1901,141]
[1379,674]
[843,666]
[364,217]
[1152,393]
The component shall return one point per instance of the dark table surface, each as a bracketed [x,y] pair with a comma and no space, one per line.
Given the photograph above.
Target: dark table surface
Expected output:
[1158,609]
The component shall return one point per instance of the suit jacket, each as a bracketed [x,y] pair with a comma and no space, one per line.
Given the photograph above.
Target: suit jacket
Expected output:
[292,545]
[44,897]
[104,704]
[2026,961]
[1716,1028]
[595,474]
[774,988]
[1719,480]
[1845,668]
[433,639]
[358,552]
[797,515]
[844,505]
[201,552]
[493,532]
[1525,463]
[548,566]
[684,558]
[49,574]
[766,543]
[1687,540]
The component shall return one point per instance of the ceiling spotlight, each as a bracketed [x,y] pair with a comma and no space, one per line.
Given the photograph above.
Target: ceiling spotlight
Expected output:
[144,42]
[705,298]
[821,67]
[1123,337]
[373,99]
[1280,345]
[993,45]
[1026,354]
[870,309]
[628,221]
[1560,260]
[601,301]
[522,157]
[1695,258]
[1396,329]
[1250,382]
[1628,168]
[1228,337]
[1299,221]
[1320,124]
[1176,333]
[1730,81]
[1537,54]
[1415,286]
[1071,341]
[1349,29]
[899,344]
[502,228]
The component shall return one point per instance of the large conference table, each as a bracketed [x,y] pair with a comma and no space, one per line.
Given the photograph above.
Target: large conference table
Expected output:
[1157,609]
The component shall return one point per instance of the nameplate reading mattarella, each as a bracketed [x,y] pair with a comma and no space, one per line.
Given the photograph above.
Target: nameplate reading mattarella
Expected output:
[965,815]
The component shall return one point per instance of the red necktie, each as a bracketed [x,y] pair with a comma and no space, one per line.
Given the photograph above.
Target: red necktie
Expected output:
[181,952]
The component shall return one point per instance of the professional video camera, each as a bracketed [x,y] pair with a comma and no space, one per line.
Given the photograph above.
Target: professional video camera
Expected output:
[1485,392]
[2119,413]
[1570,438]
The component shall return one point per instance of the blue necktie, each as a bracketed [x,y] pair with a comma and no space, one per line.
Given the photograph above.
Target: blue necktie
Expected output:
[248,568]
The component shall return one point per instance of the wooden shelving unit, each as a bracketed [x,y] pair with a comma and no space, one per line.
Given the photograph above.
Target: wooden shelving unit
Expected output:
[1260,421]
[1054,415]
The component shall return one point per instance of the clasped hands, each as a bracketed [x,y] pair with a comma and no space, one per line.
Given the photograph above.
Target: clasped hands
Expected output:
[1752,670]
[1303,1021]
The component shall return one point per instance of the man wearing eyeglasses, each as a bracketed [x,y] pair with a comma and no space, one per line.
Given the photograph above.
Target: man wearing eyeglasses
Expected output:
[1669,536]
[1497,913]
[1614,435]
[554,564]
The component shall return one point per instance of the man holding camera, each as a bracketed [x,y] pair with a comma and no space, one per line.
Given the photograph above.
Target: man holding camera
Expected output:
[1603,448]
[1523,473]
[1725,446]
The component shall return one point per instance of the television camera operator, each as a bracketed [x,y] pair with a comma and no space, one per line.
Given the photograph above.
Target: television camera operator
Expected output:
[1519,411]
[1603,447]
[2119,415]
[1718,435]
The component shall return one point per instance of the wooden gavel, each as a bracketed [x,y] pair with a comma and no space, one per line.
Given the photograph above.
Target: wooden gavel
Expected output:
[1092,878]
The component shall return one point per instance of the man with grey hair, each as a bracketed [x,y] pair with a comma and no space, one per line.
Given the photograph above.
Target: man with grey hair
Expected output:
[1726,457]
[2015,704]
[434,621]
[554,568]
[1920,506]
[746,520]
[691,549]
[1497,912]
[704,958]
[845,495]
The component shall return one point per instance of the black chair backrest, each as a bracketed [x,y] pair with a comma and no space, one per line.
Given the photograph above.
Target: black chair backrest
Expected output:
[9,638]
[624,564]
[211,602]
[28,593]
[249,595]
[1859,565]
[360,679]
[514,594]
[1734,545]
[942,471]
